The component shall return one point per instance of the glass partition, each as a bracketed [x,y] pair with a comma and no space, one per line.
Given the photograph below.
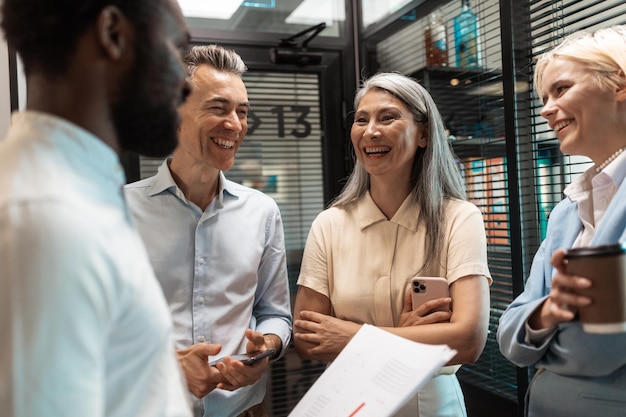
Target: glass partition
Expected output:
[268,16]
[374,11]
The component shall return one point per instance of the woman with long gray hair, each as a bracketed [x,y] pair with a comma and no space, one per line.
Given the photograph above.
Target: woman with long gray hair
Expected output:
[402,214]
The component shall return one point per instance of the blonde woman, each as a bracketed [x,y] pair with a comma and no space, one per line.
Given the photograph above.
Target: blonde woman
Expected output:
[583,88]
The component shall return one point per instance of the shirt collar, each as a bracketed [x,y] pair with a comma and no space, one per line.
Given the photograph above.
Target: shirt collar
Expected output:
[163,181]
[616,171]
[368,213]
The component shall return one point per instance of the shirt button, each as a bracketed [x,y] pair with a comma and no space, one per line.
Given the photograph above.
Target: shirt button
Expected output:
[200,300]
[200,338]
[201,261]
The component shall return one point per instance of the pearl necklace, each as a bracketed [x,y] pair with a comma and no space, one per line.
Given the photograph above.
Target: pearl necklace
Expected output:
[610,159]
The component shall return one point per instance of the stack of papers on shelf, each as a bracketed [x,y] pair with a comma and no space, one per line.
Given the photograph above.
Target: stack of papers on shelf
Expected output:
[374,376]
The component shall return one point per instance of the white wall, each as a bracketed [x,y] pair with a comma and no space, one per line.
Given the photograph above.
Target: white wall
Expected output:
[5,88]
[5,98]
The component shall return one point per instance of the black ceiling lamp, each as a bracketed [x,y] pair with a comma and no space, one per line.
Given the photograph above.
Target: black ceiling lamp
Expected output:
[289,52]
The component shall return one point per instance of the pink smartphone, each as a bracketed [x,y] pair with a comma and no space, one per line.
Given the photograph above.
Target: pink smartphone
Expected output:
[428,288]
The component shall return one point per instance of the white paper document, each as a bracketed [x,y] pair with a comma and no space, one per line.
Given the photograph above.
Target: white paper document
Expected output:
[373,376]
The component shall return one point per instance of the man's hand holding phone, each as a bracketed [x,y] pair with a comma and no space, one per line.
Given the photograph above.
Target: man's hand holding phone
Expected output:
[201,378]
[238,374]
[249,359]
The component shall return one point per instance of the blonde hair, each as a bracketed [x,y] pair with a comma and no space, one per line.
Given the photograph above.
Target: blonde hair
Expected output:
[602,53]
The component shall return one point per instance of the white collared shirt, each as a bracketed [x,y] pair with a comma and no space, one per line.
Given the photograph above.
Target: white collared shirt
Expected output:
[594,192]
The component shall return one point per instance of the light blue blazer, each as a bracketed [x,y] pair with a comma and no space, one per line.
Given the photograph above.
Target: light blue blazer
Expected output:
[580,374]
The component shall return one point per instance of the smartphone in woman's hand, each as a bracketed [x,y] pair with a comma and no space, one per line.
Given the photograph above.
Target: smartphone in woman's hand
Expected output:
[429,288]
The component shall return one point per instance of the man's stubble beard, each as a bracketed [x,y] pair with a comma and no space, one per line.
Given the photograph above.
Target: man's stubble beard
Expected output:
[144,113]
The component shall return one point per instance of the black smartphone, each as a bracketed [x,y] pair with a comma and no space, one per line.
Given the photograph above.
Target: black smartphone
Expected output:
[247,358]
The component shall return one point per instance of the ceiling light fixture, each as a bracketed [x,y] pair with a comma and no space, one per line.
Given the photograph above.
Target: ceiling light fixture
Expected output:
[222,9]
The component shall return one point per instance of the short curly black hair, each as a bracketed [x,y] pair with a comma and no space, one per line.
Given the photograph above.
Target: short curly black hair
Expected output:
[45,32]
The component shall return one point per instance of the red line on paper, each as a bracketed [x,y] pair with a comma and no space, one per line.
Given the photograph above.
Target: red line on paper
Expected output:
[357,410]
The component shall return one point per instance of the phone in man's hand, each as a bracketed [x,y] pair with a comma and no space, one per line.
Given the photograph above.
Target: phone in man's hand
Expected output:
[247,358]
[429,288]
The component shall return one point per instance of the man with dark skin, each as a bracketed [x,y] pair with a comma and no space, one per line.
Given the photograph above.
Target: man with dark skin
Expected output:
[86,330]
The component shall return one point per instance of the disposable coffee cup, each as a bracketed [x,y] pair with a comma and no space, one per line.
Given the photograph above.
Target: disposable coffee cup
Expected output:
[605,267]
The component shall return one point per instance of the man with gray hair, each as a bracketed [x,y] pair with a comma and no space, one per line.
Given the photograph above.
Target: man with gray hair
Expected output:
[217,247]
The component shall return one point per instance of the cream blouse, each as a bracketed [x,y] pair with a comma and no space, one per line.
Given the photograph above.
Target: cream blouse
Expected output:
[363,262]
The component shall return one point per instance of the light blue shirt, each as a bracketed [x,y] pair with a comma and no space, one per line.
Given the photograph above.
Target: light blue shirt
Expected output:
[222,270]
[85,328]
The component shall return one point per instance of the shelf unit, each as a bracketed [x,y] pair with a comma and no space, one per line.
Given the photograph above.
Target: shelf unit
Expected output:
[473,119]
